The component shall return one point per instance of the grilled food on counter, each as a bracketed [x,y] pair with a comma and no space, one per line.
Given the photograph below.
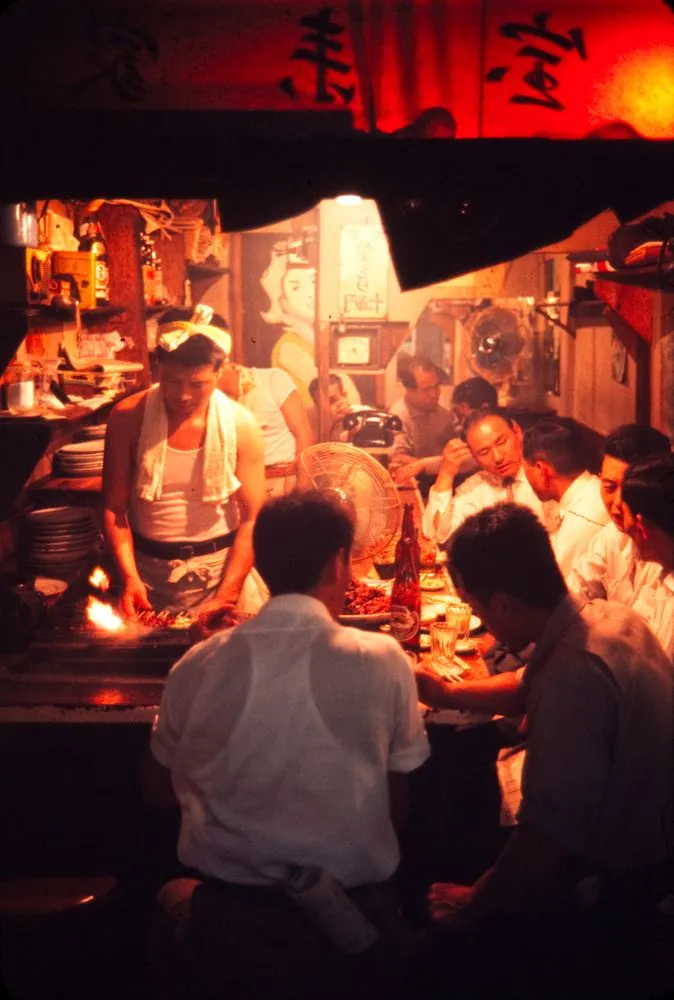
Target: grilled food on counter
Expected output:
[364,600]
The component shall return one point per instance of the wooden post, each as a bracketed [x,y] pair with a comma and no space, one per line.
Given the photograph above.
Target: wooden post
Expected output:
[236,298]
[121,228]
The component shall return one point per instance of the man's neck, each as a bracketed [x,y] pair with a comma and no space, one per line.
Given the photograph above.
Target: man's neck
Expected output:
[562,484]
[537,622]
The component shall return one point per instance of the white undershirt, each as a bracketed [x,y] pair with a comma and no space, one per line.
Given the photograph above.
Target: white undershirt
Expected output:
[181,514]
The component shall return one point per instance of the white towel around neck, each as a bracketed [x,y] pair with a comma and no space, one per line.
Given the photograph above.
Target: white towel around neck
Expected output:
[219,481]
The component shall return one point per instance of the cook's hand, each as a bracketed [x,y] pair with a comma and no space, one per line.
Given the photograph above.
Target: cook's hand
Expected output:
[403,473]
[447,903]
[212,616]
[134,598]
[432,689]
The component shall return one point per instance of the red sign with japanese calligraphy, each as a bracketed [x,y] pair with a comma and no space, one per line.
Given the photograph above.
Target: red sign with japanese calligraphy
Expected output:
[499,69]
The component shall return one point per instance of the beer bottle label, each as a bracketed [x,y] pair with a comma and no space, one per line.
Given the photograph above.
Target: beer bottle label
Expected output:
[101,277]
[404,623]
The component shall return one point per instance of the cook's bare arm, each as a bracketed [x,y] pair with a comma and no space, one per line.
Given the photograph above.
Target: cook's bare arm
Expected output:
[499,695]
[297,420]
[118,470]
[251,495]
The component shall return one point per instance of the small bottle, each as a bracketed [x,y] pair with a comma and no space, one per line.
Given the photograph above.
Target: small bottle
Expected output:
[147,262]
[327,905]
[406,590]
[91,241]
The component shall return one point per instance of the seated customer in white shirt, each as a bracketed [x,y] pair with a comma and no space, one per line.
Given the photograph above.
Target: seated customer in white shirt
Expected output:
[612,568]
[648,504]
[555,465]
[287,741]
[597,694]
[495,441]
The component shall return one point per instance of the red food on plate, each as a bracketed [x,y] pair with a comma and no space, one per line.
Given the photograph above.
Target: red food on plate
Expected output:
[364,600]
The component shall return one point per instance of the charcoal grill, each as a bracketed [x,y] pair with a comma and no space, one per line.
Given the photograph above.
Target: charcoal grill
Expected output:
[73,647]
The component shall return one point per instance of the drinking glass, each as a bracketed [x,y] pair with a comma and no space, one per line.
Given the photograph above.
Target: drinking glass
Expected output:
[459,614]
[443,643]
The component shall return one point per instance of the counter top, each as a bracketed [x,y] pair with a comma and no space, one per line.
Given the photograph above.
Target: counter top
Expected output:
[45,698]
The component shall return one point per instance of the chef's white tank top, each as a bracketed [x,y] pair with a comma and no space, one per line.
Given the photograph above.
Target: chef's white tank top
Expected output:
[181,514]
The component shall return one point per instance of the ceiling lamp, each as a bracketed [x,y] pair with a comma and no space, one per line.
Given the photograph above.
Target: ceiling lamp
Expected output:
[347,200]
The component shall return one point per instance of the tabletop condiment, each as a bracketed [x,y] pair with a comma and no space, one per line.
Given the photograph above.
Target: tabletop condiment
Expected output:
[406,590]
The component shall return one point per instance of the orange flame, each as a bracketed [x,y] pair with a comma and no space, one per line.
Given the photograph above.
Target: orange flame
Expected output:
[104,616]
[99,579]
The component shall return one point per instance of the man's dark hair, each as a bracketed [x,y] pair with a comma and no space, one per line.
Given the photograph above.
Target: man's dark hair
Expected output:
[196,351]
[332,380]
[408,365]
[296,535]
[477,415]
[635,442]
[476,392]
[560,442]
[648,489]
[505,549]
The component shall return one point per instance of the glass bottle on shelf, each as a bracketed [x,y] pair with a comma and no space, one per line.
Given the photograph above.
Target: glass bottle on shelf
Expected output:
[92,241]
[406,590]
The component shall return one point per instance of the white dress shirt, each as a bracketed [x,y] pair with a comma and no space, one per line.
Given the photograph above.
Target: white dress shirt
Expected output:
[279,735]
[612,569]
[582,515]
[480,491]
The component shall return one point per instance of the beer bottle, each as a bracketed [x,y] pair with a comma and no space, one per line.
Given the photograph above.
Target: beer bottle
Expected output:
[91,240]
[406,591]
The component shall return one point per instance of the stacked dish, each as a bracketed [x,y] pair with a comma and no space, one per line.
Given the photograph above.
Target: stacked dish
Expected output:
[82,459]
[57,539]
[96,432]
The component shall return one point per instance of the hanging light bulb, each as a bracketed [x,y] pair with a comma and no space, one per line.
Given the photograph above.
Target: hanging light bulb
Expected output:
[347,200]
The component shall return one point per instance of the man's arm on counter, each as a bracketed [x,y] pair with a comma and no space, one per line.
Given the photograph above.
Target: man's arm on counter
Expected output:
[297,420]
[120,439]
[251,495]
[498,695]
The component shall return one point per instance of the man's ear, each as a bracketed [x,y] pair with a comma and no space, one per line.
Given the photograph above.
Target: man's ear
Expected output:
[642,527]
[546,471]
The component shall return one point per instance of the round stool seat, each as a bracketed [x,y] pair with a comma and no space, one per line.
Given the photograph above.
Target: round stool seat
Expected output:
[35,897]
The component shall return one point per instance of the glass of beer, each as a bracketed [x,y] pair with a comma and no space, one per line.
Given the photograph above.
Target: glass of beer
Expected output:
[459,614]
[443,644]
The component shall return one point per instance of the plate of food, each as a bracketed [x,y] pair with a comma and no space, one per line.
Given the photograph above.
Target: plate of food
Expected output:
[366,604]
[429,580]
[475,624]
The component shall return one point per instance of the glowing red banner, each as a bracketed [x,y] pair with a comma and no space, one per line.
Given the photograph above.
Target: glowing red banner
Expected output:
[499,68]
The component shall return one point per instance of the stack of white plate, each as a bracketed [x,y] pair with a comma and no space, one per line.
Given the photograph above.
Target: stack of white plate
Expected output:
[94,433]
[57,539]
[82,459]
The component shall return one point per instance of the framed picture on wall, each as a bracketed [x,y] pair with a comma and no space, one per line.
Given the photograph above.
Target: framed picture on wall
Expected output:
[618,359]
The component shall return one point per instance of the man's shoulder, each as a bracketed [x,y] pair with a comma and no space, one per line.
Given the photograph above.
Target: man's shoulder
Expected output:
[381,649]
[616,634]
[130,409]
[399,409]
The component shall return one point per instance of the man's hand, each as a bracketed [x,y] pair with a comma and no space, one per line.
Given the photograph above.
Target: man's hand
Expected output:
[407,470]
[432,689]
[134,598]
[447,903]
[212,616]
[398,461]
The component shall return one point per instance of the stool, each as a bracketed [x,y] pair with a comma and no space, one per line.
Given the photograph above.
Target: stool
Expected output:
[43,923]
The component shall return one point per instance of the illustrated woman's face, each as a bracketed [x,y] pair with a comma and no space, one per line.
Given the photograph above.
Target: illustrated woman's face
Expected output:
[299,292]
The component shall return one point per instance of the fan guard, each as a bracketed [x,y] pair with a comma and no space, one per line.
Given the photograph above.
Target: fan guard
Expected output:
[362,484]
[495,342]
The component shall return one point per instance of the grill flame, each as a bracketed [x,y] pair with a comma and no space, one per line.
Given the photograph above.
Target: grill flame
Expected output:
[104,616]
[99,579]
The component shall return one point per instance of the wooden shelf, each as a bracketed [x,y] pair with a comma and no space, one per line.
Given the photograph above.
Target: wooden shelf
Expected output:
[205,270]
[100,314]
[155,310]
[81,484]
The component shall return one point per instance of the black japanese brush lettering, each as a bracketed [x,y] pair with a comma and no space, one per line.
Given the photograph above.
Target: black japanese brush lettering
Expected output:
[319,47]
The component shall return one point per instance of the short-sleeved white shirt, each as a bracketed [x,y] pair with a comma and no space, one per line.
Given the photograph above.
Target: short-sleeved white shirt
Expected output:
[598,774]
[279,735]
[272,388]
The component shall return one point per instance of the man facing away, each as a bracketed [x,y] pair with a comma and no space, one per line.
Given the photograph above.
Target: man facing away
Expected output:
[287,741]
[495,442]
[183,480]
[612,568]
[555,465]
[648,508]
[597,695]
